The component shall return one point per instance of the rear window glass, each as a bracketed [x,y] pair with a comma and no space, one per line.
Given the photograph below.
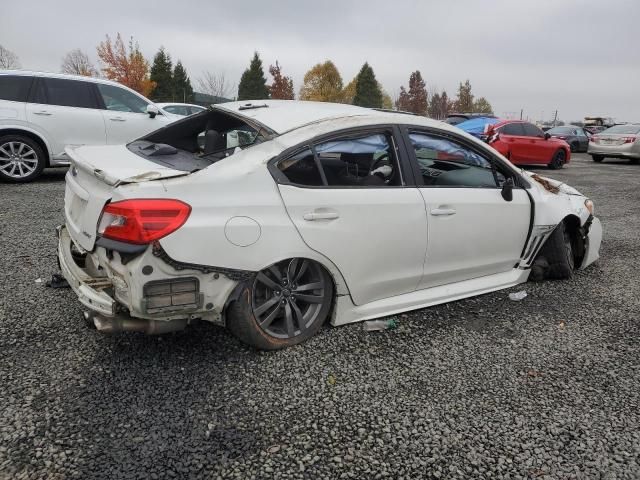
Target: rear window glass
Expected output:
[14,88]
[623,129]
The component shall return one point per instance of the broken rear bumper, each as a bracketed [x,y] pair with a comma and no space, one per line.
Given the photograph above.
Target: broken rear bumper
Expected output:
[90,291]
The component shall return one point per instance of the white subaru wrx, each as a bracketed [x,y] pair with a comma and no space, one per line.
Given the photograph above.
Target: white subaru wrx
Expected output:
[272,217]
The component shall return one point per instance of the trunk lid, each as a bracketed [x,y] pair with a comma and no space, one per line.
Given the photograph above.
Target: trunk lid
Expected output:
[94,174]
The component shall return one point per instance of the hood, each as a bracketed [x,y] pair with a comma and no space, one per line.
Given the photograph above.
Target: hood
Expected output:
[551,185]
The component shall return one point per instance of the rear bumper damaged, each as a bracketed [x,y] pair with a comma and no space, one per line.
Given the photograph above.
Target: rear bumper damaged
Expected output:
[143,293]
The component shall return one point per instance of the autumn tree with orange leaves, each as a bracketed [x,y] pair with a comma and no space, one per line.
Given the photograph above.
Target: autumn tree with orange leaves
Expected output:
[129,68]
[282,86]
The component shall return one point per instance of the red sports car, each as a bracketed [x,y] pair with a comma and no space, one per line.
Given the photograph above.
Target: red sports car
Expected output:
[525,144]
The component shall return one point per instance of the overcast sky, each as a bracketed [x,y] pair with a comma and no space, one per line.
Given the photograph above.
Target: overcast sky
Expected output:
[580,57]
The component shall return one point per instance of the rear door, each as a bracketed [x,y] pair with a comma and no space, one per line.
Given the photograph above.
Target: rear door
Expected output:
[125,115]
[67,111]
[512,134]
[472,230]
[539,149]
[351,200]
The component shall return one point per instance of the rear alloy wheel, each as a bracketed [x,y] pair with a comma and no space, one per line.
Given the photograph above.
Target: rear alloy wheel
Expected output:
[597,158]
[286,304]
[558,160]
[21,159]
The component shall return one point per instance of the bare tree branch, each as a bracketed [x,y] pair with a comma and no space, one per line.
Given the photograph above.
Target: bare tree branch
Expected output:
[76,62]
[215,84]
[8,59]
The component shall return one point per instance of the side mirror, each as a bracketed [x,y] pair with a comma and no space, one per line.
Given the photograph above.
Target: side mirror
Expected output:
[507,190]
[152,110]
[547,136]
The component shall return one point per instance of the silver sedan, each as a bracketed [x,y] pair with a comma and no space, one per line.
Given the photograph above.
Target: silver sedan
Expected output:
[619,141]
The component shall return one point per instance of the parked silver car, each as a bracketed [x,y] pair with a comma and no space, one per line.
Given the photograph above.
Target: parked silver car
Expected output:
[619,141]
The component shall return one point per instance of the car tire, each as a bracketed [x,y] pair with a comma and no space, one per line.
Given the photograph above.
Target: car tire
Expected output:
[21,159]
[284,305]
[558,159]
[597,158]
[634,161]
[557,255]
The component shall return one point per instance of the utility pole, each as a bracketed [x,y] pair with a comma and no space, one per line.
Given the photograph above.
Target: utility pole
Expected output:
[521,111]
[555,118]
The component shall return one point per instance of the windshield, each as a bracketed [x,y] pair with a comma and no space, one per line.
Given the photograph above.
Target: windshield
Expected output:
[623,129]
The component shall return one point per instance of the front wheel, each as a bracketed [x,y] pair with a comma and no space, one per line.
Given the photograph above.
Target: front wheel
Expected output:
[21,159]
[286,304]
[558,160]
[556,259]
[597,158]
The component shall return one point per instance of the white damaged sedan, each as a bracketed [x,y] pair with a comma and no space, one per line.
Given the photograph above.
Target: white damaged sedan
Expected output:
[273,217]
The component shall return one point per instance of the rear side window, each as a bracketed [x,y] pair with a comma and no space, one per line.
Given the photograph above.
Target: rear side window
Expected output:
[301,169]
[532,131]
[15,88]
[177,110]
[512,129]
[66,93]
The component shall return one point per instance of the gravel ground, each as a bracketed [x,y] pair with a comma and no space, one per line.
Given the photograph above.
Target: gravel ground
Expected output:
[482,388]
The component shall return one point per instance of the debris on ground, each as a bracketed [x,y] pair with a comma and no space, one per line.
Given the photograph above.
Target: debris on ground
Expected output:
[57,281]
[38,280]
[517,296]
[379,325]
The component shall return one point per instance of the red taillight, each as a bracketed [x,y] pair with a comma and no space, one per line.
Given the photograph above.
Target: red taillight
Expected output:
[142,220]
[629,139]
[594,139]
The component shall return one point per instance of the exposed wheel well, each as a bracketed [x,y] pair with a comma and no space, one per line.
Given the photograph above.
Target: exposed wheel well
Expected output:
[572,225]
[32,136]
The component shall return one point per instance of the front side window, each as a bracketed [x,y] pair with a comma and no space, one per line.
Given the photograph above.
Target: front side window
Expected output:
[446,163]
[15,88]
[121,100]
[355,161]
[196,109]
[65,93]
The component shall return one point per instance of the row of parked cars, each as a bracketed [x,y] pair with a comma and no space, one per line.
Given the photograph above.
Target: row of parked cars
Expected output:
[524,143]
[41,114]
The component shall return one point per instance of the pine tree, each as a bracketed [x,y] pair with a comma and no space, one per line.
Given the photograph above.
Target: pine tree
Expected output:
[368,92]
[464,102]
[253,84]
[182,90]
[161,73]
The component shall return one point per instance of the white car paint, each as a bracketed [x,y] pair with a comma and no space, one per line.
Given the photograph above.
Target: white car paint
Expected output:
[170,109]
[58,126]
[387,250]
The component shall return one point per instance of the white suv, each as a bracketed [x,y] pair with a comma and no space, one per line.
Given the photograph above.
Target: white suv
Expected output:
[41,113]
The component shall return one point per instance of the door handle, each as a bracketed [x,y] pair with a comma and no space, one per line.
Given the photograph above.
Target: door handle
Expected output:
[42,112]
[443,212]
[312,216]
[117,119]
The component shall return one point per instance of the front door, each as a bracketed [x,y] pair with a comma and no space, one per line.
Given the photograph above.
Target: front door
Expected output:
[348,199]
[67,111]
[125,115]
[472,230]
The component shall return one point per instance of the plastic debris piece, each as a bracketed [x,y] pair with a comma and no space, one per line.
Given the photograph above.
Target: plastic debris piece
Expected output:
[38,280]
[517,296]
[379,325]
[273,449]
[331,380]
[57,281]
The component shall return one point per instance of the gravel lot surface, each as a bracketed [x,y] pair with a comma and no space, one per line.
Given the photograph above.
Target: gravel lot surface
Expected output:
[482,388]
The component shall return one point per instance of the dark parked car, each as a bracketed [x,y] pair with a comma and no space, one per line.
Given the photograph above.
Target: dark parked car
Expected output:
[456,118]
[576,137]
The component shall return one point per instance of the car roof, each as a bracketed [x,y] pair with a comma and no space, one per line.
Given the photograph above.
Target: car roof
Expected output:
[285,115]
[167,104]
[34,73]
